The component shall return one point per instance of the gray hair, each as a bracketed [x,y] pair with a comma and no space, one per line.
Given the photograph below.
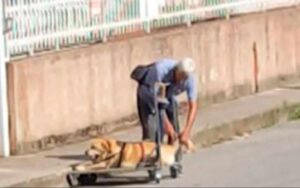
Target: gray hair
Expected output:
[186,65]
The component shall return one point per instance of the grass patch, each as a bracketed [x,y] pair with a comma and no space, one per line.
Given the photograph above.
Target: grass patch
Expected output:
[294,114]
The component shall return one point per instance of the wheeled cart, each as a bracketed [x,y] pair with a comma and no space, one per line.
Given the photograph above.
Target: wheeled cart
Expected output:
[77,178]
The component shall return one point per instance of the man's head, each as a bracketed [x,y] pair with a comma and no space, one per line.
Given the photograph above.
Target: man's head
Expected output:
[183,69]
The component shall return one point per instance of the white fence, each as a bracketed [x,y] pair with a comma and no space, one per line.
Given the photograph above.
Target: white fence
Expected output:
[38,25]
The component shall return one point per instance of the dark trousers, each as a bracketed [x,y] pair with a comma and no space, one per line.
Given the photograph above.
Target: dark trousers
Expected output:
[147,112]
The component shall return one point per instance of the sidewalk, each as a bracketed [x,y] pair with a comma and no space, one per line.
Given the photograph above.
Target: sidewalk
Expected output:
[214,124]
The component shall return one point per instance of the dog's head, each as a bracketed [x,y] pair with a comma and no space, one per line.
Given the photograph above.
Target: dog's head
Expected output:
[101,149]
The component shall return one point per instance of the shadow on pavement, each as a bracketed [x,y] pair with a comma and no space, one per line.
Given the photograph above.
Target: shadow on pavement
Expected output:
[110,181]
[69,157]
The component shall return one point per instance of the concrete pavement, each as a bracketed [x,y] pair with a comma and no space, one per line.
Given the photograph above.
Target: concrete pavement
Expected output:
[214,124]
[268,158]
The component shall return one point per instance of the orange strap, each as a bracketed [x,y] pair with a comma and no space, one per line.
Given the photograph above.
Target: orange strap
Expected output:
[143,153]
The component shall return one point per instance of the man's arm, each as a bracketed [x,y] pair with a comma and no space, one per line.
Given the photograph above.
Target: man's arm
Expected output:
[169,128]
[192,112]
[190,120]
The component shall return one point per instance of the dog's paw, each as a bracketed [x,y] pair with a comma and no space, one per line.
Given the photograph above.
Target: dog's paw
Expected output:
[80,168]
[189,147]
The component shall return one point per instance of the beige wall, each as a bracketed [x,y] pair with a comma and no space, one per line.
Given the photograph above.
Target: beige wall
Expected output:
[61,92]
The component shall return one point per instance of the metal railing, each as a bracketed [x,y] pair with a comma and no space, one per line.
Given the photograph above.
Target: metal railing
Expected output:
[38,25]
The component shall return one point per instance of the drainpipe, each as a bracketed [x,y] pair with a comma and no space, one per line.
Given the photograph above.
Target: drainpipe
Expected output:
[255,68]
[4,127]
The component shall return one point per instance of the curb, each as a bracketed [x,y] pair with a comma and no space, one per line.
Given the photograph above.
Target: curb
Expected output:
[247,125]
[46,181]
[202,138]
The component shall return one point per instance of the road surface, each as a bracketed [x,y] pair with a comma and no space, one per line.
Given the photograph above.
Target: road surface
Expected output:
[267,158]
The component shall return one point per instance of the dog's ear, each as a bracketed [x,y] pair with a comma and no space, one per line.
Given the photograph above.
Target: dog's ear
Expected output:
[108,145]
[105,145]
[99,144]
[112,146]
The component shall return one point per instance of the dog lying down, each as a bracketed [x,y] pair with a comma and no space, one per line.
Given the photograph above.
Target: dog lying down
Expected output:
[110,153]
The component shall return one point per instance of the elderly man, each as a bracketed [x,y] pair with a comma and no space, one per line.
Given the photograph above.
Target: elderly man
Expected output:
[178,75]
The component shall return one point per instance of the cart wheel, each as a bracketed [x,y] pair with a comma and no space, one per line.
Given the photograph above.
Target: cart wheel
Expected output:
[72,181]
[157,177]
[151,174]
[87,179]
[180,171]
[174,172]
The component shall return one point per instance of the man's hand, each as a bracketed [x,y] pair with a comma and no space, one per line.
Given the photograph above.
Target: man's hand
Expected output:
[172,135]
[185,141]
[185,135]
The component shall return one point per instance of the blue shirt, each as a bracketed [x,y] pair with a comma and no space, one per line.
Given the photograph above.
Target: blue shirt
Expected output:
[164,69]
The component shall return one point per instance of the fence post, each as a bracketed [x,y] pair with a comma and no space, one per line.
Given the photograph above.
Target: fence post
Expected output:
[144,15]
[188,17]
[4,128]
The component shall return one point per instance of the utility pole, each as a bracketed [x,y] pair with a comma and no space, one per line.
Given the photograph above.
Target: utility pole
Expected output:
[4,127]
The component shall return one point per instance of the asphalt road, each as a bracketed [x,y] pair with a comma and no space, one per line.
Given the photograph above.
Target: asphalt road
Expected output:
[267,158]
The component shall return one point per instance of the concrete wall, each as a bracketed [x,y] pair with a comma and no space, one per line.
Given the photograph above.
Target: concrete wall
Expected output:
[60,93]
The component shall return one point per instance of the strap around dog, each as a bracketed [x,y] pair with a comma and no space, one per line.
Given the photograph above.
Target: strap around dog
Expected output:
[123,145]
[143,157]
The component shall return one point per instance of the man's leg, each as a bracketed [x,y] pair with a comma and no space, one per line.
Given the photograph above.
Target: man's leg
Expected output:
[146,113]
[143,118]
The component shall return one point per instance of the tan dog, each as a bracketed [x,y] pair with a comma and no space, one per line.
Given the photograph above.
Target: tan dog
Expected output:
[110,153]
